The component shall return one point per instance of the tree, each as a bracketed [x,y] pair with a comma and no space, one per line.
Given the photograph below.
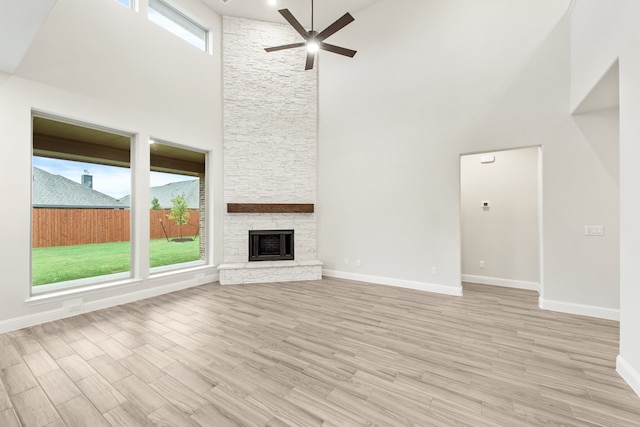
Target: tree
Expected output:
[155,204]
[179,211]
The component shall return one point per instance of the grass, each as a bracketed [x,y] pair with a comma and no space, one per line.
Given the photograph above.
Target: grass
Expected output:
[62,263]
[167,253]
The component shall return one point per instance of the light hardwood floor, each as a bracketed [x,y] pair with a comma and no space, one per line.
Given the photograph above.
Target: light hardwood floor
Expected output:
[326,353]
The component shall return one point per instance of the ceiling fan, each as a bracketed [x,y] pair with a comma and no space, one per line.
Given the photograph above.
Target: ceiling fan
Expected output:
[314,40]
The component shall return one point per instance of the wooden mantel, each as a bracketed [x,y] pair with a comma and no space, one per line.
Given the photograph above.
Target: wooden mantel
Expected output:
[270,207]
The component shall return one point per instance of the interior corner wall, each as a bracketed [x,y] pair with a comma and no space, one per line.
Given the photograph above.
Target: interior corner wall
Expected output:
[490,75]
[132,76]
[579,165]
[500,242]
[395,119]
[615,26]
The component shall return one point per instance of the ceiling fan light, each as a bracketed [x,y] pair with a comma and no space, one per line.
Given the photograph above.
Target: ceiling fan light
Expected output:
[313,40]
[313,46]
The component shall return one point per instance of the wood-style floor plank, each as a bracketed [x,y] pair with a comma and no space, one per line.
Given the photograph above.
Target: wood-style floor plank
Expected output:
[79,412]
[34,408]
[324,353]
[59,387]
[102,394]
[8,418]
[17,379]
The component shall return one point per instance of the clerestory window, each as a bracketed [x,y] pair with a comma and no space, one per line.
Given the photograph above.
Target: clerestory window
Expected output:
[177,23]
[126,3]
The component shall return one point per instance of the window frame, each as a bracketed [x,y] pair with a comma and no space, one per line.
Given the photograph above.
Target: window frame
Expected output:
[204,206]
[93,282]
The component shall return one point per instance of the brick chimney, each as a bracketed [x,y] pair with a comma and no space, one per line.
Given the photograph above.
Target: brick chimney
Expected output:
[87,179]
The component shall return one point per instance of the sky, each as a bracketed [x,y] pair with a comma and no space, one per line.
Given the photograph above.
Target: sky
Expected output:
[110,180]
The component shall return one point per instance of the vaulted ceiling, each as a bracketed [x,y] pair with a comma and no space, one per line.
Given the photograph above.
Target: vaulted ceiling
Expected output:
[325,11]
[20,21]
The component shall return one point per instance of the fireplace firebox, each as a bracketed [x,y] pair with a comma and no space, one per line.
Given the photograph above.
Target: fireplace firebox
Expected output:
[270,245]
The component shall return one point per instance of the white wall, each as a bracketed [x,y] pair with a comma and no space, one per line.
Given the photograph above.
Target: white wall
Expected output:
[389,156]
[504,236]
[460,77]
[614,26]
[594,48]
[20,24]
[100,63]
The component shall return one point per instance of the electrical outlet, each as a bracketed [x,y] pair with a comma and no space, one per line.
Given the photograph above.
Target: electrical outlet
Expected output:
[73,306]
[594,230]
[346,261]
[482,265]
[434,270]
[358,262]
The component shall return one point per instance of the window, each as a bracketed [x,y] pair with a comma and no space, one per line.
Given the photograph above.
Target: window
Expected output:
[80,223]
[178,207]
[175,22]
[125,3]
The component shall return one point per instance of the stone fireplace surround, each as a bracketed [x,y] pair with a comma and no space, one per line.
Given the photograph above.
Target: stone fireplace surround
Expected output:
[270,150]
[237,269]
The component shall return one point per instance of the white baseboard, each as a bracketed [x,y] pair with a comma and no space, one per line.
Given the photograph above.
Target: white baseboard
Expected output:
[420,286]
[580,309]
[60,313]
[630,375]
[33,319]
[497,281]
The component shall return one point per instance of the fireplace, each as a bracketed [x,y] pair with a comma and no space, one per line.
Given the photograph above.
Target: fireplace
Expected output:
[270,245]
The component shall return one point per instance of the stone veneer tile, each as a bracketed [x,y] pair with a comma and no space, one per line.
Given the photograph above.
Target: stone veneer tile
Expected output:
[270,143]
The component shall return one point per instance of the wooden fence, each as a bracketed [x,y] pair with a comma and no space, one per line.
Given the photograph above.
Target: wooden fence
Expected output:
[173,230]
[66,227]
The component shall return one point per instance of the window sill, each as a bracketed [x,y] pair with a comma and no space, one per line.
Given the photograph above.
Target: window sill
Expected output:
[64,294]
[184,268]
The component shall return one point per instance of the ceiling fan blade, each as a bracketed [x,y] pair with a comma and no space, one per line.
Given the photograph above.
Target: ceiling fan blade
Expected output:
[294,22]
[340,23]
[284,46]
[310,60]
[337,49]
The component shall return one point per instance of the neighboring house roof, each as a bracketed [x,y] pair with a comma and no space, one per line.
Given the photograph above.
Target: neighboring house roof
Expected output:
[56,191]
[165,193]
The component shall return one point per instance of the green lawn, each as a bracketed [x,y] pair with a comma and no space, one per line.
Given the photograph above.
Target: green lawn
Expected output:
[62,263]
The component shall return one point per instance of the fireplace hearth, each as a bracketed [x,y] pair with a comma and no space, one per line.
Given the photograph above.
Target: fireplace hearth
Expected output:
[271,245]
